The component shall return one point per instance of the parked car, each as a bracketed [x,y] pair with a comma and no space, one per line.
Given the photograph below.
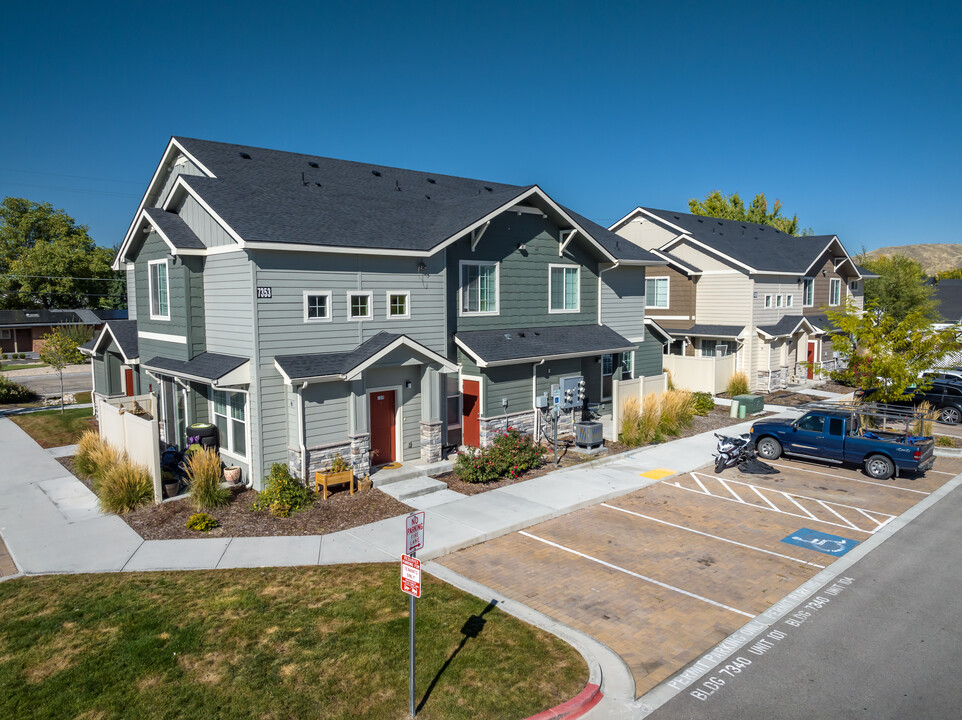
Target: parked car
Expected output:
[943,375]
[837,436]
[944,397]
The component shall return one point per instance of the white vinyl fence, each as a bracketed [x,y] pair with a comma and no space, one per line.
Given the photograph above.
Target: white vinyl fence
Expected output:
[700,374]
[136,435]
[638,388]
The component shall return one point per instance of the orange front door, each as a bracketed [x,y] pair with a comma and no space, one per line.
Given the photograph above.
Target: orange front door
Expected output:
[811,360]
[471,412]
[382,427]
[129,381]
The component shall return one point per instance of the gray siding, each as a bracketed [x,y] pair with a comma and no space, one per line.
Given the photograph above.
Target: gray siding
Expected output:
[523,274]
[100,374]
[229,304]
[194,285]
[410,402]
[512,383]
[186,168]
[648,356]
[205,227]
[131,292]
[623,301]
[325,414]
[549,373]
[154,248]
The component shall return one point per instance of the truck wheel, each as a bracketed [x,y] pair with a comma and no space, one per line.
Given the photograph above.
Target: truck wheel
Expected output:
[879,467]
[769,448]
[950,415]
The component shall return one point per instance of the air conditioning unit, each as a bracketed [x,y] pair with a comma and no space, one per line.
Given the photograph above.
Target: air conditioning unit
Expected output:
[589,434]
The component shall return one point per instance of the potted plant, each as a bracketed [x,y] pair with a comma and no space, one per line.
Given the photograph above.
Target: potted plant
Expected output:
[170,482]
[337,472]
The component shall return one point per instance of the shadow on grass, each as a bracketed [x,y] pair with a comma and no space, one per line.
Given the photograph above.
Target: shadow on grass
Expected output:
[471,629]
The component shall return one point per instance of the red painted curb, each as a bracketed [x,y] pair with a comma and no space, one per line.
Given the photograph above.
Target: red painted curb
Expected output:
[573,708]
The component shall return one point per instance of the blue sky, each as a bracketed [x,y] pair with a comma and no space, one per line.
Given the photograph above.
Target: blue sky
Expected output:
[850,113]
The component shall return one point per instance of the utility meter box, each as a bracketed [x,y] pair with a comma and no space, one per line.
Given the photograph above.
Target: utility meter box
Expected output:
[572,392]
[556,395]
[541,401]
[752,403]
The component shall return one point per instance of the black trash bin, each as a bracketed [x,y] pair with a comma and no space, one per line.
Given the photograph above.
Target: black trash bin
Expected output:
[206,434]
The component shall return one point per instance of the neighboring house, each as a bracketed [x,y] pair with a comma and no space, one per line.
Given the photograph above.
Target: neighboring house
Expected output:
[311,306]
[948,293]
[741,289]
[23,331]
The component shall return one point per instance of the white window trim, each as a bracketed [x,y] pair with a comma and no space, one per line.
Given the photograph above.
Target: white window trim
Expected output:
[789,301]
[370,305]
[631,354]
[667,304]
[804,282]
[778,301]
[150,288]
[834,282]
[768,301]
[497,288]
[247,423]
[330,306]
[577,308]
[407,304]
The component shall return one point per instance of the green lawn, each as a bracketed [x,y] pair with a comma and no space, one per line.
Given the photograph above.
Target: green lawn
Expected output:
[324,642]
[7,366]
[51,428]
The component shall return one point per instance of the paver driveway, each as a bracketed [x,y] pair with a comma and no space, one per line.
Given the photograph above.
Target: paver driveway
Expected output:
[665,573]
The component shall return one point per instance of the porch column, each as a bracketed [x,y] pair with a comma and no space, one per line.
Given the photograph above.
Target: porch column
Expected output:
[430,414]
[359,430]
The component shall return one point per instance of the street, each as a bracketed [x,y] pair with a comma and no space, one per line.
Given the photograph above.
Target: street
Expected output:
[74,381]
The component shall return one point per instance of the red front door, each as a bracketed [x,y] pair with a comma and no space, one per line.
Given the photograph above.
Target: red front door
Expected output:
[129,381]
[811,360]
[471,412]
[382,427]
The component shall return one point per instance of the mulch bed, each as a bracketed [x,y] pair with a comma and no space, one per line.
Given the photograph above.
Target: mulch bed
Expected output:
[341,511]
[714,420]
[835,387]
[788,399]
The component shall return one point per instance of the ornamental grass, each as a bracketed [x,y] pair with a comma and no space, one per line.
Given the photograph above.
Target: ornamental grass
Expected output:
[203,470]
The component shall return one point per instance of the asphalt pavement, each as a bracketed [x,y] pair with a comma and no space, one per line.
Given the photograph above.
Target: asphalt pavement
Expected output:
[881,641]
[74,381]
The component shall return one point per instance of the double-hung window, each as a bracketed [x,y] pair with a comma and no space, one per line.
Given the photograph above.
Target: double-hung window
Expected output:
[627,365]
[230,417]
[479,288]
[159,290]
[808,292]
[360,305]
[768,301]
[708,348]
[789,300]
[656,292]
[778,301]
[563,288]
[834,291]
[317,306]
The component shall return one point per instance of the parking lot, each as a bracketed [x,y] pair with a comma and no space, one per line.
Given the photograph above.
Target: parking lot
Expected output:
[665,573]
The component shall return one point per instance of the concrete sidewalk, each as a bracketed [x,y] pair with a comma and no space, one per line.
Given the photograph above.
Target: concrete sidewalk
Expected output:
[51,523]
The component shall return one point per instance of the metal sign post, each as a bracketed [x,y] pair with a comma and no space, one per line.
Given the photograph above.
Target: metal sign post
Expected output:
[411,584]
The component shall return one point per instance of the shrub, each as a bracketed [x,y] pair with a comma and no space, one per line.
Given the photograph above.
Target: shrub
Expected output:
[283,494]
[510,455]
[640,423]
[82,460]
[202,468]
[677,410]
[202,522]
[125,487]
[23,356]
[11,392]
[944,441]
[737,384]
[104,457]
[338,464]
[704,403]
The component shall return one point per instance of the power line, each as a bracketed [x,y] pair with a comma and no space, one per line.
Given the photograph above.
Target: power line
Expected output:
[122,278]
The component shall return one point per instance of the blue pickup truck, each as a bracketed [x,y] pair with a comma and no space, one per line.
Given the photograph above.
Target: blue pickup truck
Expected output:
[836,436]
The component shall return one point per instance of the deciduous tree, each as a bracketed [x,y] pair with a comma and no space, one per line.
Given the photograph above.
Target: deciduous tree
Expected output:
[733,208]
[901,288]
[891,353]
[48,260]
[59,351]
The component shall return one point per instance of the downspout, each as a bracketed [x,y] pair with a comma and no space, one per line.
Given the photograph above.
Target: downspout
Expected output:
[300,430]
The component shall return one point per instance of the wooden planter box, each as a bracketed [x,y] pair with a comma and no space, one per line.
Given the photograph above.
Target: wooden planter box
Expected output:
[323,479]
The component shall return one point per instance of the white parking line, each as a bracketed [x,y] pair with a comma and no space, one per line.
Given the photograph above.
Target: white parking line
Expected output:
[842,477]
[637,575]
[942,472]
[713,537]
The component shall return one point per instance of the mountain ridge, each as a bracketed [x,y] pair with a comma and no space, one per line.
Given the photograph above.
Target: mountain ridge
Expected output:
[934,257]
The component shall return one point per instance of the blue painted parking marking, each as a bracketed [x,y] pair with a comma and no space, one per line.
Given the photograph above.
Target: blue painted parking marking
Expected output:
[822,542]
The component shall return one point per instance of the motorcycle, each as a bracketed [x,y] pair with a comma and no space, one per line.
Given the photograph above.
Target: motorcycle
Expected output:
[732,451]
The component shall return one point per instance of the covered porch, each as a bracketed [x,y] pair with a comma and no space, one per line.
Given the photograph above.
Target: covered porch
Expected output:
[787,353]
[703,358]
[379,404]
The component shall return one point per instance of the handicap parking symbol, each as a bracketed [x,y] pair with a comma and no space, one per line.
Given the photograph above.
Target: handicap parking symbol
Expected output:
[822,542]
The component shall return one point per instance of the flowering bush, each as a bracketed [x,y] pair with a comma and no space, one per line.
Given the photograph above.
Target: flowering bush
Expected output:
[510,455]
